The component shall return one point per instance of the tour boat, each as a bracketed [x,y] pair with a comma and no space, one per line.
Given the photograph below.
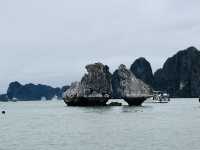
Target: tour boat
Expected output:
[160,97]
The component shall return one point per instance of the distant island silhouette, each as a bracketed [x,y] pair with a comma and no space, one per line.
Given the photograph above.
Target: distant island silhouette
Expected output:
[30,92]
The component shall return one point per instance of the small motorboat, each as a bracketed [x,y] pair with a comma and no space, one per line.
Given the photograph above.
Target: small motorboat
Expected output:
[160,97]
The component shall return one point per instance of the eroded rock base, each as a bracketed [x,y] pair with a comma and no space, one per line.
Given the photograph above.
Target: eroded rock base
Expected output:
[135,101]
[81,101]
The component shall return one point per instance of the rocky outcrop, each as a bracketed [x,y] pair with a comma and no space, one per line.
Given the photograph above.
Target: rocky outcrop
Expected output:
[126,86]
[94,88]
[141,68]
[98,86]
[32,91]
[180,75]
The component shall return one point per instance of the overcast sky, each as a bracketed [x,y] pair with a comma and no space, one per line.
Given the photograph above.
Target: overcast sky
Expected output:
[50,41]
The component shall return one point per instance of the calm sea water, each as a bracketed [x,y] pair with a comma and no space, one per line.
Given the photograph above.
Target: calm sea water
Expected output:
[53,126]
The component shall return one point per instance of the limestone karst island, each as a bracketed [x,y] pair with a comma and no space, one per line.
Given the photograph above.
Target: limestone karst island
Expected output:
[99,85]
[179,77]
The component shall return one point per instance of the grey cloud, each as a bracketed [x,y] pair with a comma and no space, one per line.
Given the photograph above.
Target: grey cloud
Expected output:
[47,41]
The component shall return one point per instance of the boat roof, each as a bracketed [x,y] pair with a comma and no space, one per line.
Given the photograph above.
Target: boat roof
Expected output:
[159,92]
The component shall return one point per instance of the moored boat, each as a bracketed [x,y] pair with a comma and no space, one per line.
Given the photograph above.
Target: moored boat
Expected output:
[160,97]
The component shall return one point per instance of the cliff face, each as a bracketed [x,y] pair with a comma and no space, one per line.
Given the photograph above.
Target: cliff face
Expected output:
[125,84]
[141,68]
[32,91]
[98,80]
[180,75]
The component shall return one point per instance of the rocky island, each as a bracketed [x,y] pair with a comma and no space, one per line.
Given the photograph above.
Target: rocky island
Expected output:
[94,89]
[31,92]
[179,76]
[126,86]
[99,85]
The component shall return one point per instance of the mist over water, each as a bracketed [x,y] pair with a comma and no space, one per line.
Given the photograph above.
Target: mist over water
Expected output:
[52,125]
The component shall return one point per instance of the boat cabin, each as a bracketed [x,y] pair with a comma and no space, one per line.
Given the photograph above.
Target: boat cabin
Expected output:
[161,97]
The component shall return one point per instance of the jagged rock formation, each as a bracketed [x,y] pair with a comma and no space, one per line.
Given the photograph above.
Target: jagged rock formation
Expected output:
[180,75]
[32,91]
[94,89]
[98,86]
[141,68]
[126,86]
